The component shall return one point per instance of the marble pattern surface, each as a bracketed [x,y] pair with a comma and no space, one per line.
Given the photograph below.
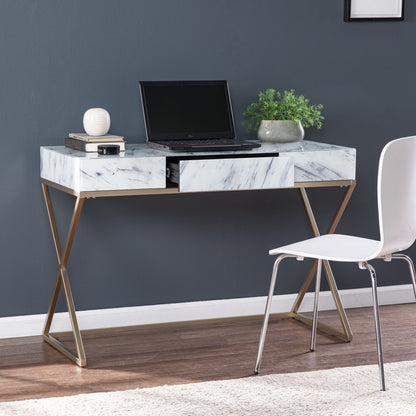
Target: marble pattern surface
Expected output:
[89,172]
[316,161]
[141,167]
[328,165]
[236,174]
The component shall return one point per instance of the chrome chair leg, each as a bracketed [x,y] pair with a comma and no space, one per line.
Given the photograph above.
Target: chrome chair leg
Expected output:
[411,268]
[267,312]
[315,304]
[377,322]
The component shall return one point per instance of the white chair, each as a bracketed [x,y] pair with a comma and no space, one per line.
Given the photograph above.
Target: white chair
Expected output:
[396,189]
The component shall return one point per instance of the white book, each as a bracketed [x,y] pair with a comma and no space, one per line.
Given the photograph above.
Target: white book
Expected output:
[106,138]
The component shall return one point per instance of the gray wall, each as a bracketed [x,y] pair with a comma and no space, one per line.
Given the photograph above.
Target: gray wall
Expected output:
[59,58]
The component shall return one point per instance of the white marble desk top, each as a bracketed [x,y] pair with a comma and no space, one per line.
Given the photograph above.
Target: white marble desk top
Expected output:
[141,167]
[143,150]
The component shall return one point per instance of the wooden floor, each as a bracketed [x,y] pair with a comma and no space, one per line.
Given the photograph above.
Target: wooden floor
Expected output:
[153,357]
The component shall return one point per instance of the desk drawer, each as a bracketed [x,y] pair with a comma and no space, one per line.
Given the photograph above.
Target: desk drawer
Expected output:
[227,174]
[89,172]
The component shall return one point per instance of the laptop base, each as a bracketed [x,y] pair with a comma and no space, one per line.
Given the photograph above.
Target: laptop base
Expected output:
[203,145]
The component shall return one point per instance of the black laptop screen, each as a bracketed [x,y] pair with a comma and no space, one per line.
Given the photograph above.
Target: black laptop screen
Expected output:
[187,110]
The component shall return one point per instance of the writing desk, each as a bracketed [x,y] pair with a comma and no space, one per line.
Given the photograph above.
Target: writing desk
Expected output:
[141,170]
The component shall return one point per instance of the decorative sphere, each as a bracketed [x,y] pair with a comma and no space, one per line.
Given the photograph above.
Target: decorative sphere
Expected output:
[96,122]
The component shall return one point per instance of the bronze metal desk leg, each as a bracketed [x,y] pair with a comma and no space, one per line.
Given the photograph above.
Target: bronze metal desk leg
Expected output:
[63,280]
[347,334]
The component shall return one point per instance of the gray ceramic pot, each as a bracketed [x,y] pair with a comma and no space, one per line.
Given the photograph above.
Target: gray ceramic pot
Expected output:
[280,131]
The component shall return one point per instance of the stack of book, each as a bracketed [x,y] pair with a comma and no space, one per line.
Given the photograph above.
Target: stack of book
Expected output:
[85,143]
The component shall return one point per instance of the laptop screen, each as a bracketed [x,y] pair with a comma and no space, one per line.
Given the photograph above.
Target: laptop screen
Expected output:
[187,110]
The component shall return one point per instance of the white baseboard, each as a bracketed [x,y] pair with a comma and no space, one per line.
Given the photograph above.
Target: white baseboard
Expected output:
[28,325]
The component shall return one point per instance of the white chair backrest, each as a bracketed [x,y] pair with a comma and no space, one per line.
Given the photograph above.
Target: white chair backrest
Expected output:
[397,195]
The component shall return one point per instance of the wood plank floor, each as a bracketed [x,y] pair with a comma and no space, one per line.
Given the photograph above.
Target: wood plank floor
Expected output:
[30,368]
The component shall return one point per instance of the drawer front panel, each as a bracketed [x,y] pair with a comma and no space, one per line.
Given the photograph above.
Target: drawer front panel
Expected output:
[119,173]
[83,172]
[328,165]
[235,174]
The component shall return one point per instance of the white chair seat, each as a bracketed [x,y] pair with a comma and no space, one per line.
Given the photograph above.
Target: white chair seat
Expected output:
[332,247]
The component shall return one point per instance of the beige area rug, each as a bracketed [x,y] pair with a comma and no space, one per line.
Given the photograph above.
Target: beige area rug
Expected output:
[341,392]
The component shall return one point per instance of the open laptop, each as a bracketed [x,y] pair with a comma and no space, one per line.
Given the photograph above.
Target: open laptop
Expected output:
[189,116]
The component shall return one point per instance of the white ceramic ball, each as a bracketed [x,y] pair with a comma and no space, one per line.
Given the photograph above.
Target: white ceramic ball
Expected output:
[96,122]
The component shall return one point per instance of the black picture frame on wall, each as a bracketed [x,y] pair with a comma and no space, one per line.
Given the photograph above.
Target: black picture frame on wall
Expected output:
[373,10]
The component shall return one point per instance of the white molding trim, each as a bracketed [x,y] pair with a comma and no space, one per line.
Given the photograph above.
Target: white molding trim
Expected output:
[29,325]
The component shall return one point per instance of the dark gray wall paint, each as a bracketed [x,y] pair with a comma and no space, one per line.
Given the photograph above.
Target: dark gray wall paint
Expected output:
[59,58]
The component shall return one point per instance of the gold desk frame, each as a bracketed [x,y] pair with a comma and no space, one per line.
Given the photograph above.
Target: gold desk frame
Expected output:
[62,280]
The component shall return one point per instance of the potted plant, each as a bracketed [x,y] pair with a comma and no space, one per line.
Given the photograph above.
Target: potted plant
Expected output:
[282,117]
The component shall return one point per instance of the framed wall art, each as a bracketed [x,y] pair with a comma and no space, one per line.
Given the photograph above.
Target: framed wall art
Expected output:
[365,10]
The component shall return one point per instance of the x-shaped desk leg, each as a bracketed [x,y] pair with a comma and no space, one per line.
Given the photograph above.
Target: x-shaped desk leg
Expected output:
[62,280]
[347,334]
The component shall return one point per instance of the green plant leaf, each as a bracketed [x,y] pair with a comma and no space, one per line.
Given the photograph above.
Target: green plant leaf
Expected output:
[273,105]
